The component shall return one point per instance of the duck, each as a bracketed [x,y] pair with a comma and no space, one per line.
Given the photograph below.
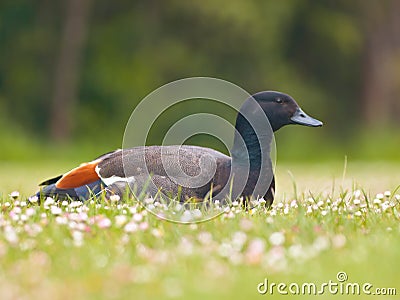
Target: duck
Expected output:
[187,171]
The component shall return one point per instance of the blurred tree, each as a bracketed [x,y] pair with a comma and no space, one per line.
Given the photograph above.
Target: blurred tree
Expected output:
[381,63]
[65,91]
[339,58]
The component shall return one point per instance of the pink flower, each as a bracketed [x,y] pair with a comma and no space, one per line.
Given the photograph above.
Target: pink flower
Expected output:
[104,223]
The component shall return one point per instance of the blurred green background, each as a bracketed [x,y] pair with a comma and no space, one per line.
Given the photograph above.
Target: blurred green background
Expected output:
[72,71]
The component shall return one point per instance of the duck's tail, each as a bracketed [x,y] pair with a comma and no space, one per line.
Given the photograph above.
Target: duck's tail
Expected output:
[81,193]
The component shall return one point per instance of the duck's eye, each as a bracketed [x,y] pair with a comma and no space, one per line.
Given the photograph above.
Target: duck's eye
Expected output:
[278,100]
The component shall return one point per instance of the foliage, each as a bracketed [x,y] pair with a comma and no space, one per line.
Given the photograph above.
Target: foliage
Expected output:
[310,50]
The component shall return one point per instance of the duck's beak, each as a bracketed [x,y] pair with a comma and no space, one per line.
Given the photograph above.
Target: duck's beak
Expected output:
[301,118]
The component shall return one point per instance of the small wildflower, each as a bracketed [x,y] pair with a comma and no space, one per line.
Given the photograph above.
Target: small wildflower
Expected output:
[261,201]
[178,207]
[230,215]
[197,214]
[131,227]
[377,201]
[286,210]
[77,237]
[61,220]
[204,237]
[14,194]
[321,243]
[186,216]
[309,210]
[357,194]
[235,203]
[137,217]
[104,223]
[276,258]
[64,203]
[225,250]
[380,196]
[11,235]
[17,210]
[49,201]
[356,201]
[132,209]
[295,251]
[186,246]
[114,198]
[320,203]
[33,199]
[75,204]
[156,232]
[55,210]
[277,238]
[149,200]
[255,251]
[358,214]
[150,207]
[143,226]
[387,194]
[15,217]
[238,240]
[120,220]
[324,212]
[338,241]
[385,205]
[269,220]
[30,211]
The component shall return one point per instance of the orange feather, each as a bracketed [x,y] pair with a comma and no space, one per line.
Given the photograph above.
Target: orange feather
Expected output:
[84,174]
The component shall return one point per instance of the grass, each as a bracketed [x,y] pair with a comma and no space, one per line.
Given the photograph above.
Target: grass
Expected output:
[117,250]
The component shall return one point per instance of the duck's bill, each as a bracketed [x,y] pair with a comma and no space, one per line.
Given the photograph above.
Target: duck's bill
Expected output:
[301,118]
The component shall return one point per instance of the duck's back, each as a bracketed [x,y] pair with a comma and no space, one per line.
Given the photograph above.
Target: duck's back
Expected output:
[189,171]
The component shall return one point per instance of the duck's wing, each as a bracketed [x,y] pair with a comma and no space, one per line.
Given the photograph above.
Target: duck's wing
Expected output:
[188,170]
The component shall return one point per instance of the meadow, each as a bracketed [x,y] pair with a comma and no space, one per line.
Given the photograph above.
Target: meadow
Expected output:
[335,222]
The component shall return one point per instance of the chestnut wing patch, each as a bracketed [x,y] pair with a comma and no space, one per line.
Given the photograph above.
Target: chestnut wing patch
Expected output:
[82,175]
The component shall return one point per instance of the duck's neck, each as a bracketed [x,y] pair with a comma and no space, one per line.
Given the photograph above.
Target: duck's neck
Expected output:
[249,146]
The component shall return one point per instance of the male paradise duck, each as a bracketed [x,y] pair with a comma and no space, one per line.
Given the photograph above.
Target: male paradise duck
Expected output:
[247,172]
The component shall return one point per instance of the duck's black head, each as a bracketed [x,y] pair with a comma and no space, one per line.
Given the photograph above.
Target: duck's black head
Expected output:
[281,110]
[252,127]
